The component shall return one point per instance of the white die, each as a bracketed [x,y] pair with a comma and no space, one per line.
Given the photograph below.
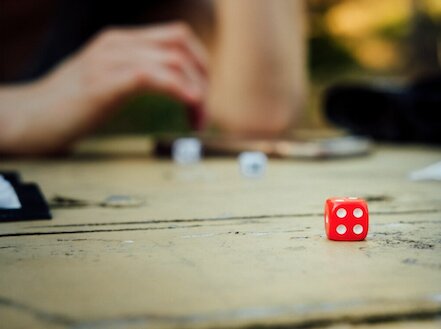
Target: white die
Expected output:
[8,196]
[187,150]
[252,164]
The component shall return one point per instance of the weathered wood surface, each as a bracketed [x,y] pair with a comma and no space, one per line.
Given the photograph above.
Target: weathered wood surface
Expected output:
[211,249]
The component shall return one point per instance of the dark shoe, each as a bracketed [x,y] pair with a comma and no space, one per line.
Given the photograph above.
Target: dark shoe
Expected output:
[410,114]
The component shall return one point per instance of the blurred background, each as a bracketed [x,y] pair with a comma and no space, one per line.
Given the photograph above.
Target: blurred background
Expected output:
[349,40]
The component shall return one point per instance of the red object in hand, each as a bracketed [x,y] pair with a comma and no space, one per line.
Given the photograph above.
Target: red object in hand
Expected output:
[346,219]
[197,117]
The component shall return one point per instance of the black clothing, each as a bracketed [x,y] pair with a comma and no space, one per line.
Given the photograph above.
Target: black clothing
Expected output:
[76,21]
[409,114]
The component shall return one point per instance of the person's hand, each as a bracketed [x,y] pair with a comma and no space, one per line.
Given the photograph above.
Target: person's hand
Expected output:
[84,90]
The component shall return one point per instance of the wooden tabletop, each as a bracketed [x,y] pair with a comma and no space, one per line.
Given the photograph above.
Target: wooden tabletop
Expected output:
[208,248]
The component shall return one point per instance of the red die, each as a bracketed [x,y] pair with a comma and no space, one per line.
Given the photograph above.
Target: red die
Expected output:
[346,219]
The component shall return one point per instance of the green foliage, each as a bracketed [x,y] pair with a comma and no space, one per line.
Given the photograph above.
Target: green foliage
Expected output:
[149,113]
[395,31]
[328,57]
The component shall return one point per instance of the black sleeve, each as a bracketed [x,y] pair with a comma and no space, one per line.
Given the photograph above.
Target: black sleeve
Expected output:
[75,22]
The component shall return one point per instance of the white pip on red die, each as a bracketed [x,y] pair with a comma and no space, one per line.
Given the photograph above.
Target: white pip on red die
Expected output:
[252,164]
[187,150]
[346,219]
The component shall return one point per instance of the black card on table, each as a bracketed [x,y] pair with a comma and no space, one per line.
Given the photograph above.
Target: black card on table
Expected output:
[31,203]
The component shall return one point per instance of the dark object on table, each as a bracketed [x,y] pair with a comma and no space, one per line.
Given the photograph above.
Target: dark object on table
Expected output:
[288,148]
[112,201]
[409,114]
[32,203]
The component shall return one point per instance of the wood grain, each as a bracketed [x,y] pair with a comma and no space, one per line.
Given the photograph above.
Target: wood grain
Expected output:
[211,249]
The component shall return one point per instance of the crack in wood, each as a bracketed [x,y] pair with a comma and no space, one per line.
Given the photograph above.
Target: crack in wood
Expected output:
[96,231]
[193,319]
[374,319]
[178,221]
[42,315]
[182,220]
[191,220]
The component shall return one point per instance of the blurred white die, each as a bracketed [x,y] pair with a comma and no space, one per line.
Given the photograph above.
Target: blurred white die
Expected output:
[8,196]
[252,164]
[187,150]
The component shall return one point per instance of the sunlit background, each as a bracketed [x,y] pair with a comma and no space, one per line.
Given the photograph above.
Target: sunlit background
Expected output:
[379,41]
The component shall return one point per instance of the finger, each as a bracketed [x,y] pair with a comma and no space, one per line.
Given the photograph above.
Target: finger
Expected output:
[176,35]
[179,61]
[175,60]
[165,80]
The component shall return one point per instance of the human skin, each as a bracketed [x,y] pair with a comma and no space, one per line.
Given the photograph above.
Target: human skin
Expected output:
[47,115]
[256,72]
[258,76]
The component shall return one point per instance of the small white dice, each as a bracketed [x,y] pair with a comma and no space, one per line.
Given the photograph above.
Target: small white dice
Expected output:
[252,164]
[8,196]
[186,150]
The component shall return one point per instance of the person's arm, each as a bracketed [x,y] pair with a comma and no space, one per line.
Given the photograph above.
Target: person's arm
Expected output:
[47,115]
[259,67]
